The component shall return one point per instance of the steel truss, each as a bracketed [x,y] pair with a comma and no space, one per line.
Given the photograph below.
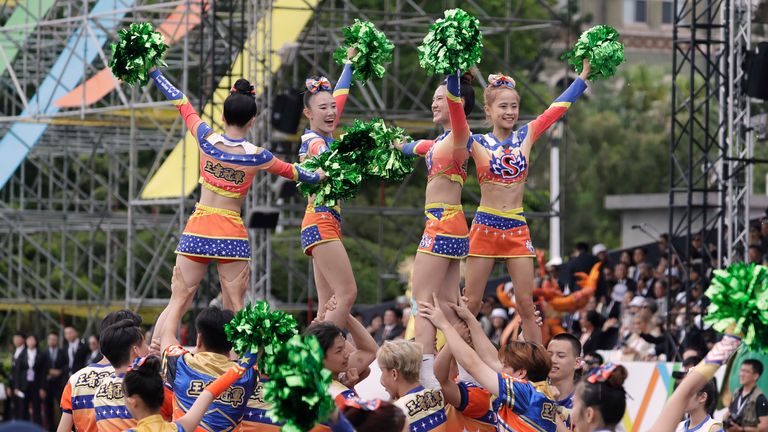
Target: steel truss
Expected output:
[73,229]
[711,142]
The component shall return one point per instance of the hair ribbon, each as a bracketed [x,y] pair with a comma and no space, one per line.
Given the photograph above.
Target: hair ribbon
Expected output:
[316,85]
[499,80]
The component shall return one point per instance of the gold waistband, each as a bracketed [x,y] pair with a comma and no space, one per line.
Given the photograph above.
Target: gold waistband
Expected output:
[204,209]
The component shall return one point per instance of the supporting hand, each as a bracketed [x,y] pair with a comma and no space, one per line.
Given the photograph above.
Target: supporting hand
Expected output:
[433,313]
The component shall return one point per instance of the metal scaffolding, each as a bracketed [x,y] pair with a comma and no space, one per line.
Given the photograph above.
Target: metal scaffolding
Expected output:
[74,236]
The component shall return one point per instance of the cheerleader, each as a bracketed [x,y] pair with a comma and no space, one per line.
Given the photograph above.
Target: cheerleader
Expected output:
[228,163]
[499,229]
[446,237]
[700,408]
[321,226]
[600,400]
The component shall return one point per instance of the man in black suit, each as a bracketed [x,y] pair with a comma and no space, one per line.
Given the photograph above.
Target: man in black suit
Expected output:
[392,327]
[56,358]
[77,351]
[29,372]
[16,403]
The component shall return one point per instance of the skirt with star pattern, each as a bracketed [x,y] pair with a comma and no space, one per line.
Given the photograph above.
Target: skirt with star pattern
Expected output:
[500,234]
[321,224]
[214,233]
[446,234]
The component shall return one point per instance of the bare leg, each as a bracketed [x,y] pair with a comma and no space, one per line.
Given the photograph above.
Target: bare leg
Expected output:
[429,273]
[333,262]
[521,272]
[232,294]
[478,270]
[324,289]
[192,271]
[449,291]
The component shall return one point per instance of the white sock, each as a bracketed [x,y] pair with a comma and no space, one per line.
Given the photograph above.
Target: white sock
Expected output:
[464,376]
[427,372]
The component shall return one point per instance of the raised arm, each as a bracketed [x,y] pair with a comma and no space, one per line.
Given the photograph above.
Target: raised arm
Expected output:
[181,296]
[449,387]
[187,111]
[292,172]
[366,346]
[341,91]
[459,126]
[463,353]
[483,346]
[675,407]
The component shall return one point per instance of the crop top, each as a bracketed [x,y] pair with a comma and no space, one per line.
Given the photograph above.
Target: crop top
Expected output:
[506,162]
[314,143]
[446,155]
[227,174]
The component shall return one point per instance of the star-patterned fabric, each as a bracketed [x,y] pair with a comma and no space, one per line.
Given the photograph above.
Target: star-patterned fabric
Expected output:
[446,232]
[77,398]
[214,233]
[321,224]
[498,234]
[109,405]
[255,418]
[424,409]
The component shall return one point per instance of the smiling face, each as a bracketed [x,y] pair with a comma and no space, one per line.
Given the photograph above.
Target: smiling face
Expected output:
[322,113]
[337,356]
[502,107]
[389,381]
[440,106]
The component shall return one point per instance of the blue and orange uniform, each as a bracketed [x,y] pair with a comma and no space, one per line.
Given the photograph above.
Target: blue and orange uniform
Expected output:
[446,233]
[77,398]
[523,406]
[188,375]
[255,418]
[505,234]
[475,411]
[564,408]
[322,224]
[424,409]
[214,233]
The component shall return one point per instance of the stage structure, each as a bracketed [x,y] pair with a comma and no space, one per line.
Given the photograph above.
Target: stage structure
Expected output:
[711,139]
[92,202]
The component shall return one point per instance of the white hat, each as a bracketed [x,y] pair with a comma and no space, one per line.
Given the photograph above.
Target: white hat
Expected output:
[555,261]
[637,301]
[619,290]
[499,313]
[596,249]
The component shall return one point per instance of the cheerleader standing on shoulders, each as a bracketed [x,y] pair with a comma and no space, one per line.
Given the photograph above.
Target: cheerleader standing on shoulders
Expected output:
[446,237]
[228,163]
[321,227]
[499,229]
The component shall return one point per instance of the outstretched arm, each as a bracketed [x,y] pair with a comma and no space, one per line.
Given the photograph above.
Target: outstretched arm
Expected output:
[459,126]
[560,106]
[187,111]
[450,389]
[464,354]
[341,91]
[415,148]
[293,172]
[483,346]
[675,407]
[365,344]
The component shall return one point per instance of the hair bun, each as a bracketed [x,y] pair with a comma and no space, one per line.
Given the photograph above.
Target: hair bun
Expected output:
[244,87]
[618,376]
[151,366]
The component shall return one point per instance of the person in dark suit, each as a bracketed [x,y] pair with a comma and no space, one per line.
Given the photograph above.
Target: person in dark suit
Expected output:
[56,377]
[77,351]
[30,372]
[93,346]
[392,327]
[17,404]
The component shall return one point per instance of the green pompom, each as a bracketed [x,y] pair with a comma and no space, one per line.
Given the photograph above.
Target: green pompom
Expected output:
[600,45]
[374,50]
[256,326]
[386,162]
[297,390]
[343,178]
[739,296]
[138,49]
[452,43]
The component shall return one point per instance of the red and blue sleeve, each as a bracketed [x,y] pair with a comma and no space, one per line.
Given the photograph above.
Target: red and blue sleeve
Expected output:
[558,109]
[187,111]
[514,394]
[459,126]
[341,91]
[418,148]
[316,147]
[474,401]
[292,172]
